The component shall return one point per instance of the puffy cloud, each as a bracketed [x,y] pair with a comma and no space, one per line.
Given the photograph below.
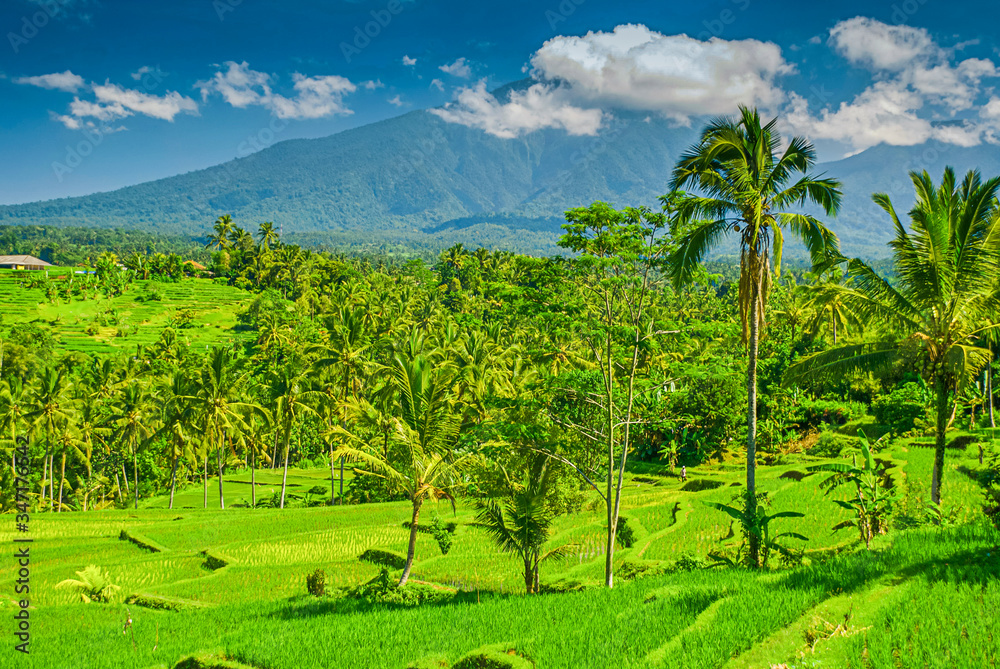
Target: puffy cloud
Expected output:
[59,81]
[636,68]
[371,85]
[437,83]
[876,45]
[397,101]
[316,97]
[526,111]
[409,61]
[916,82]
[460,68]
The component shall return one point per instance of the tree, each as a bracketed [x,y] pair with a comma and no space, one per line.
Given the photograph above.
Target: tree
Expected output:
[619,252]
[943,300]
[746,188]
[522,524]
[221,231]
[50,408]
[292,399]
[425,432]
[267,235]
[131,414]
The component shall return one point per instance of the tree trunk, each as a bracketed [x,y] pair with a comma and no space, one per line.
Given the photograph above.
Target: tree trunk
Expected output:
[253,479]
[62,477]
[135,477]
[128,488]
[411,550]
[529,577]
[284,477]
[989,388]
[52,479]
[753,540]
[204,478]
[333,476]
[609,556]
[173,481]
[340,500]
[222,497]
[118,487]
[45,468]
[942,428]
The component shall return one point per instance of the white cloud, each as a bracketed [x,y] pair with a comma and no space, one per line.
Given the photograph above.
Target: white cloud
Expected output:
[164,107]
[156,73]
[526,111]
[916,83]
[397,101]
[438,84]
[878,46]
[59,81]
[316,97]
[679,76]
[372,85]
[460,68]
[409,61]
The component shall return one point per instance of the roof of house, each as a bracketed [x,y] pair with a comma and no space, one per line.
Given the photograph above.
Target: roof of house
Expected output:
[194,264]
[23,260]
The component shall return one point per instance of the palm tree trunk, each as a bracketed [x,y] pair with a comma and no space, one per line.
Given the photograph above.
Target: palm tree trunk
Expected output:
[529,576]
[284,477]
[52,480]
[411,550]
[340,500]
[204,478]
[939,444]
[222,498]
[333,476]
[118,487]
[753,540]
[989,388]
[135,476]
[62,477]
[128,488]
[45,467]
[253,479]
[173,481]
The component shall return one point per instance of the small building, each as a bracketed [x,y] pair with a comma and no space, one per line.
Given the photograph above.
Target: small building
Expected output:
[194,265]
[23,262]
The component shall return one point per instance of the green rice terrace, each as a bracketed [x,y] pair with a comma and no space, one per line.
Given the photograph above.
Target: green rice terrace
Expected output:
[202,312]
[232,584]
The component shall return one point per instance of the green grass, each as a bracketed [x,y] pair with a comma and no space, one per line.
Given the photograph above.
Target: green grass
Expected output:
[214,308]
[921,598]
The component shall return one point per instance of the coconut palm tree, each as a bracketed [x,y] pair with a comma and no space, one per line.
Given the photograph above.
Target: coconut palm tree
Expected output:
[748,186]
[943,302]
[50,408]
[521,525]
[425,431]
[267,235]
[132,420]
[292,399]
[220,233]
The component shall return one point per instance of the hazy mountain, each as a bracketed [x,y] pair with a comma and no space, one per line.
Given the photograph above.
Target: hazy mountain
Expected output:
[418,180]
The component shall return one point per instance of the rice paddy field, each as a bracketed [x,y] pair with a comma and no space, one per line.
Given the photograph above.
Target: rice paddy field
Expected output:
[921,597]
[106,325]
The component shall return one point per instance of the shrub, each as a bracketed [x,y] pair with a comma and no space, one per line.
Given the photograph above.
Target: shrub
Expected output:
[94,584]
[383,557]
[625,536]
[316,583]
[901,408]
[380,590]
[442,535]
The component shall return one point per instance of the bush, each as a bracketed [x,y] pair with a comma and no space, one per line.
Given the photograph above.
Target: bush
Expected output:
[497,656]
[380,590]
[625,536]
[830,444]
[316,583]
[442,535]
[900,409]
[383,557]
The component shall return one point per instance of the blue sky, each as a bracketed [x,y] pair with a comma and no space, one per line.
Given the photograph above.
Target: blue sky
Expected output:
[99,94]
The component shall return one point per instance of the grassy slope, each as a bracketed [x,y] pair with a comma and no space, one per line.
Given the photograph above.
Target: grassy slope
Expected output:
[922,598]
[214,308]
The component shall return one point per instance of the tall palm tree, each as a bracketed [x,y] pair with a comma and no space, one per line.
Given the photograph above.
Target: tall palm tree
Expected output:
[746,185]
[943,302]
[831,310]
[132,418]
[292,400]
[178,422]
[220,233]
[267,235]
[426,431]
[50,408]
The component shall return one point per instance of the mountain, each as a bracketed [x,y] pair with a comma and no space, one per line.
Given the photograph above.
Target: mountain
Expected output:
[418,180]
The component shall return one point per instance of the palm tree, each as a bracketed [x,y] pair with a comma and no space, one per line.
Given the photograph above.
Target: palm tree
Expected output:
[426,431]
[747,189]
[50,408]
[292,399]
[267,235]
[522,524]
[132,420]
[221,230]
[943,302]
[830,308]
[179,419]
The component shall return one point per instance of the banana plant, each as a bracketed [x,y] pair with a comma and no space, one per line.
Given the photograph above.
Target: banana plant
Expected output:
[756,522]
[874,495]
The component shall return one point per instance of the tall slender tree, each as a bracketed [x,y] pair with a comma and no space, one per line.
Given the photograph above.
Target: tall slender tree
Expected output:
[746,184]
